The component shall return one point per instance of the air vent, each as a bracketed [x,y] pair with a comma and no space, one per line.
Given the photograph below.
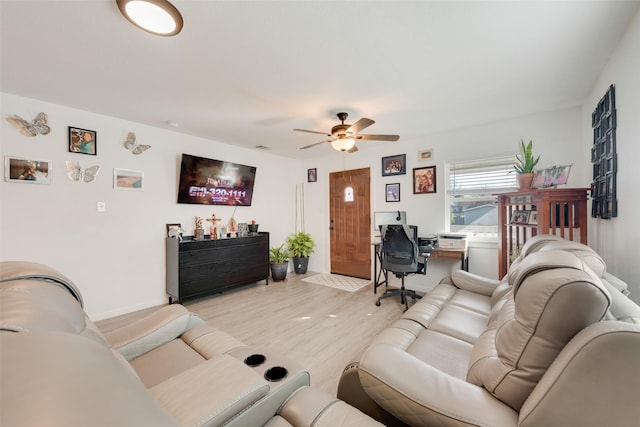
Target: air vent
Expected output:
[263,147]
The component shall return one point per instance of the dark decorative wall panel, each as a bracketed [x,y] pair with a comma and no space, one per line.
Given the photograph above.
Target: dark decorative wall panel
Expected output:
[604,157]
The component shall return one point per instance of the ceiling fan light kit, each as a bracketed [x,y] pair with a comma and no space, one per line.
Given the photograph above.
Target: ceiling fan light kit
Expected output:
[343,144]
[344,136]
[157,17]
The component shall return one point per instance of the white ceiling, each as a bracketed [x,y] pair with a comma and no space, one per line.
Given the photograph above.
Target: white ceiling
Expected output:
[248,72]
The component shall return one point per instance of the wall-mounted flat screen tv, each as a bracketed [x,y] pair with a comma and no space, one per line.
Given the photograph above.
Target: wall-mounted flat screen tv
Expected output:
[215,182]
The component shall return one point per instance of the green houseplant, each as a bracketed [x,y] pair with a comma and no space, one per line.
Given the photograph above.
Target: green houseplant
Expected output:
[301,245]
[279,262]
[525,165]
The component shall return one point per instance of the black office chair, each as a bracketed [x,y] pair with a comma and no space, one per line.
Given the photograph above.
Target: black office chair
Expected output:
[399,248]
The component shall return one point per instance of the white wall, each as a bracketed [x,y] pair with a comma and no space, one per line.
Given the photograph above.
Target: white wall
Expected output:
[556,136]
[615,238]
[117,258]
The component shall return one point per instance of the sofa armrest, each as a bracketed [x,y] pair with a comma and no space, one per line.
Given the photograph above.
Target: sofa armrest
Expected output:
[160,327]
[59,379]
[421,395]
[211,393]
[593,382]
[474,283]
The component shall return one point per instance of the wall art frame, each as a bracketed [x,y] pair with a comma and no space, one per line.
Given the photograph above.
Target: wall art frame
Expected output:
[604,201]
[424,180]
[128,180]
[425,155]
[394,165]
[27,171]
[312,175]
[392,192]
[83,141]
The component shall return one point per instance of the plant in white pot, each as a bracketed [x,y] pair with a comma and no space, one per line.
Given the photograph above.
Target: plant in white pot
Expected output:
[525,165]
[279,262]
[301,245]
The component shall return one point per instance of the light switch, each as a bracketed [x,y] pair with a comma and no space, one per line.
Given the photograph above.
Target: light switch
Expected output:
[101,206]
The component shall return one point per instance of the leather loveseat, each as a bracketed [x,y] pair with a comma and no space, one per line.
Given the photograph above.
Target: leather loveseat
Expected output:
[168,369]
[553,344]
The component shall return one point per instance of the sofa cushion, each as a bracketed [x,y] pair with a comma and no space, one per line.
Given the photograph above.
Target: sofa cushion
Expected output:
[554,297]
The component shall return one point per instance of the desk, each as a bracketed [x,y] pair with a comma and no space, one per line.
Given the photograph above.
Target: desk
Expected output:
[436,253]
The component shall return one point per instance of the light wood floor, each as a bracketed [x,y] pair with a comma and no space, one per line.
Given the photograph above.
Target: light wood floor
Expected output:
[320,327]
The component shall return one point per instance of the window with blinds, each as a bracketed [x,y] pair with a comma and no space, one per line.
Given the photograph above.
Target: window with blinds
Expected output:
[472,205]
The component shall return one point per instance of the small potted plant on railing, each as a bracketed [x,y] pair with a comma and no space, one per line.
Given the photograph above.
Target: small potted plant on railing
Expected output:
[279,262]
[301,245]
[525,165]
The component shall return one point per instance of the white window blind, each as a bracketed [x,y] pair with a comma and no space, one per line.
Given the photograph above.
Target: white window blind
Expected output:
[482,176]
[472,184]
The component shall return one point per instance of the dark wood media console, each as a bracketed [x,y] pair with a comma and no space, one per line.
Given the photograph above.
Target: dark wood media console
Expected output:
[201,267]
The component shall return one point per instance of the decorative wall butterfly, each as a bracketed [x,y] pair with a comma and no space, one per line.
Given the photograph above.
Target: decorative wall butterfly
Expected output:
[130,144]
[39,125]
[76,173]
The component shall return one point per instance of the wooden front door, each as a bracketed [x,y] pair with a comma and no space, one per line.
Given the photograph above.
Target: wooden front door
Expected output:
[350,223]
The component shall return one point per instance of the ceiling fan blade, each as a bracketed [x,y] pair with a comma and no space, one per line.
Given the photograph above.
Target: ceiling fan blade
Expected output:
[313,131]
[352,149]
[377,137]
[359,125]
[313,145]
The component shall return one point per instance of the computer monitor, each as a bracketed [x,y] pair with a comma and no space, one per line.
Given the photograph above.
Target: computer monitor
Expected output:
[391,217]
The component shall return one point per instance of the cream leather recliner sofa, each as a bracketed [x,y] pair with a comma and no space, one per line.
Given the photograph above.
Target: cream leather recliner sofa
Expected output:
[550,345]
[168,369]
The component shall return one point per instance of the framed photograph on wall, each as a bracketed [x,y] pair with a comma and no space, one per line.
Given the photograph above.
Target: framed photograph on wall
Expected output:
[424,180]
[394,165]
[125,179]
[312,175]
[27,171]
[425,155]
[83,141]
[392,192]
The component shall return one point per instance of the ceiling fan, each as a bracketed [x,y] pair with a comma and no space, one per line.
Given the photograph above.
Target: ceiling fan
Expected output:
[344,136]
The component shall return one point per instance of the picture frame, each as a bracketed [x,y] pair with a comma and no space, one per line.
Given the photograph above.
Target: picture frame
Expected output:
[425,155]
[392,192]
[174,231]
[424,180]
[27,171]
[520,217]
[312,175]
[83,141]
[173,226]
[394,165]
[533,218]
[553,176]
[127,179]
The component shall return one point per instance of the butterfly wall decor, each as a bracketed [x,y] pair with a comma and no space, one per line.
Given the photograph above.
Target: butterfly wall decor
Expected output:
[39,125]
[130,144]
[76,173]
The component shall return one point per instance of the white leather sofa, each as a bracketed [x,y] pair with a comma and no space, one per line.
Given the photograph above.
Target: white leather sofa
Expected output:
[553,344]
[168,369]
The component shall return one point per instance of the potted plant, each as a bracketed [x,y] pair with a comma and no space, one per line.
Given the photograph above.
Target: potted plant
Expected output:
[301,245]
[279,262]
[525,165]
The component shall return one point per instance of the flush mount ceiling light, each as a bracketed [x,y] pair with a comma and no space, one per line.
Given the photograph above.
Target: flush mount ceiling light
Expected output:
[157,17]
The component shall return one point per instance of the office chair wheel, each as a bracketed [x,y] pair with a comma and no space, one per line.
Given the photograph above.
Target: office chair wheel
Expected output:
[377,303]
